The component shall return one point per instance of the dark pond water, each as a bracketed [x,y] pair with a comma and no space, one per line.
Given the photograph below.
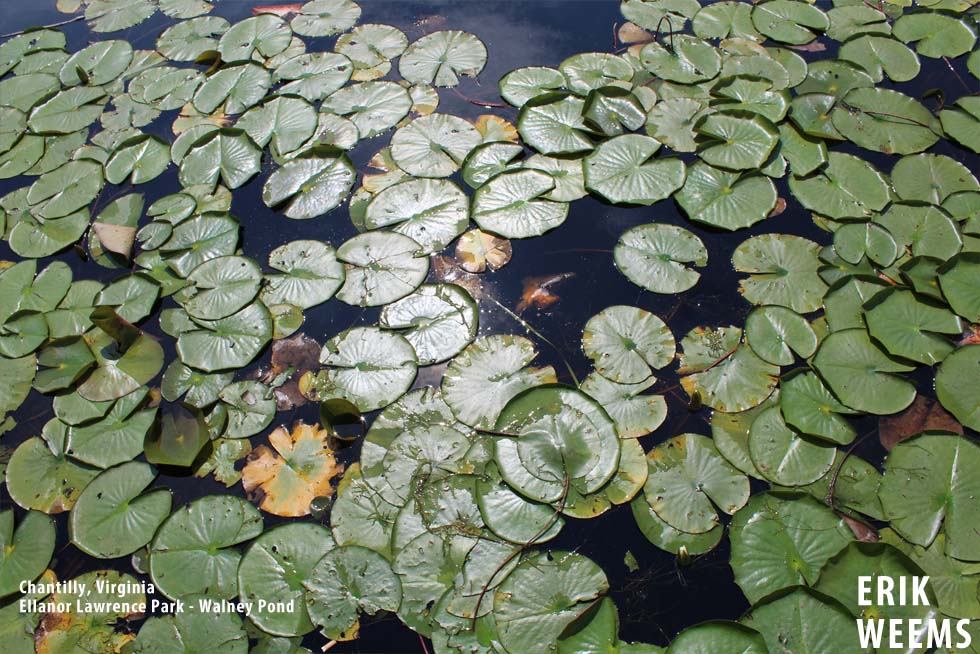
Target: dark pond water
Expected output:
[659,599]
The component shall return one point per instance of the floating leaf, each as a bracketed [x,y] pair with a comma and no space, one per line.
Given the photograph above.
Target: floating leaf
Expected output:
[477,250]
[312,274]
[553,124]
[881,56]
[439,320]
[189,39]
[372,106]
[433,145]
[783,456]
[736,142]
[622,170]
[432,212]
[482,379]
[804,623]
[624,343]
[190,631]
[653,257]
[589,71]
[113,516]
[789,21]
[886,121]
[441,57]
[227,343]
[26,552]
[520,85]
[935,34]
[725,199]
[345,582]
[783,271]
[325,17]
[956,383]
[810,407]
[225,153]
[381,267]
[193,552]
[775,333]
[369,367]
[286,480]
[910,327]
[44,479]
[513,205]
[718,636]
[235,88]
[783,541]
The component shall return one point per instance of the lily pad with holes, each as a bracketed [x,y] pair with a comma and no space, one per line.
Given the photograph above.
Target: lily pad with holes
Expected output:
[273,568]
[299,467]
[657,257]
[347,581]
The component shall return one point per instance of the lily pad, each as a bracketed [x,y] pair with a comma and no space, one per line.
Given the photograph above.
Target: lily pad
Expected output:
[230,342]
[623,170]
[26,552]
[513,204]
[912,327]
[432,212]
[226,153]
[848,187]
[369,367]
[775,333]
[885,120]
[381,267]
[439,320]
[193,553]
[624,343]
[783,271]
[653,257]
[441,57]
[805,623]
[300,468]
[783,541]
[434,146]
[114,516]
[311,274]
[736,142]
[956,383]
[935,34]
[373,107]
[726,199]
[808,406]
[785,457]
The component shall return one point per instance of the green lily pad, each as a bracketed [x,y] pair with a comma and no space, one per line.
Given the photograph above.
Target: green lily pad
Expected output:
[26,552]
[115,438]
[113,516]
[783,541]
[284,122]
[789,21]
[736,142]
[235,88]
[666,537]
[230,342]
[189,39]
[325,17]
[861,375]
[69,111]
[624,343]
[783,271]
[854,241]
[191,631]
[623,170]
[381,267]
[520,85]
[273,568]
[556,587]
[718,637]
[848,187]
[433,145]
[774,333]
[513,204]
[783,456]
[199,239]
[193,553]
[589,71]
[439,320]
[373,107]
[960,122]
[441,57]
[257,37]
[370,368]
[553,124]
[222,286]
[653,257]
[314,76]
[432,212]
[485,376]
[885,120]
[100,63]
[688,479]
[956,383]
[808,406]
[65,190]
[687,60]
[805,623]
[349,580]
[881,56]
[912,327]
[935,34]
[311,274]
[226,153]
[251,408]
[45,480]
[725,199]
[926,230]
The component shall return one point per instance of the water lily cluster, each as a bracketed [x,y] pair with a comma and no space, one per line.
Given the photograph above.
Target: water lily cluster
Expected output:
[444,520]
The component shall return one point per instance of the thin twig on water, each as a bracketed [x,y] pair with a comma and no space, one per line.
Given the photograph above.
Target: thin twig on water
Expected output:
[42,27]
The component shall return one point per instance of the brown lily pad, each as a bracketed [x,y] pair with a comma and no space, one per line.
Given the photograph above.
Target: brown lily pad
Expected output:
[300,466]
[924,414]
